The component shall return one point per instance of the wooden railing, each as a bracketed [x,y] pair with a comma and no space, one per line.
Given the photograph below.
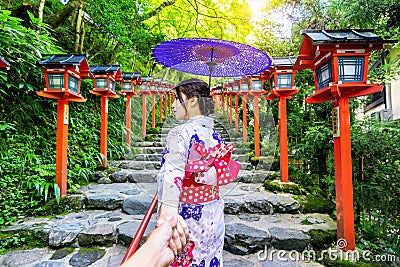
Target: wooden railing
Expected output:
[142,228]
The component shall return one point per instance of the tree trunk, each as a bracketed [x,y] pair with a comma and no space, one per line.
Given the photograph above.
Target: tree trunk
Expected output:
[41,7]
[61,16]
[78,28]
[82,37]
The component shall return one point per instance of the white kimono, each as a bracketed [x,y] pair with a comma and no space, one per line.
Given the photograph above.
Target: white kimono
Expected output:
[205,220]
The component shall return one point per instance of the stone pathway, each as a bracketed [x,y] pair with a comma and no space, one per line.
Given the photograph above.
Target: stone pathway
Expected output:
[109,211]
[113,212]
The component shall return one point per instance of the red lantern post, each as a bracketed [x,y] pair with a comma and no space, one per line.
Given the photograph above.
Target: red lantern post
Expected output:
[230,93]
[106,77]
[128,84]
[144,90]
[281,79]
[244,92]
[257,91]
[161,91]
[169,95]
[339,60]
[63,75]
[236,86]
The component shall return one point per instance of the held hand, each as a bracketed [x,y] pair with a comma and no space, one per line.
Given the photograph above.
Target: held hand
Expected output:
[156,251]
[180,234]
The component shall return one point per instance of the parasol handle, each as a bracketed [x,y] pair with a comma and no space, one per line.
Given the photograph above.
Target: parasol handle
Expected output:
[211,66]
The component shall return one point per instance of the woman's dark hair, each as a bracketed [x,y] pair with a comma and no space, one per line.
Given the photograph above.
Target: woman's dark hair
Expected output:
[196,88]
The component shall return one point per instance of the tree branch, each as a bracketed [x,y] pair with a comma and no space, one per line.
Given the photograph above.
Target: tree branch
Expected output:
[157,10]
[63,14]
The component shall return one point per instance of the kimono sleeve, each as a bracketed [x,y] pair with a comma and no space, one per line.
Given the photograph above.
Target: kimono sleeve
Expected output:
[173,168]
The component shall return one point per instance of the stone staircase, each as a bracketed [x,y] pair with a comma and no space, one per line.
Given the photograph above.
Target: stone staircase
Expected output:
[109,211]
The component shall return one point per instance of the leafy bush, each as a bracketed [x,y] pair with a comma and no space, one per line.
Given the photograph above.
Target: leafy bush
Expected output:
[28,125]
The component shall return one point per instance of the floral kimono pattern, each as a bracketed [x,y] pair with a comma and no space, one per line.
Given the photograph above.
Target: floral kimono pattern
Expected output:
[205,220]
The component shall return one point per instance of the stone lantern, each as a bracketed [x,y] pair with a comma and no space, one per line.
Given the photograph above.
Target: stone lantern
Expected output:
[63,75]
[339,61]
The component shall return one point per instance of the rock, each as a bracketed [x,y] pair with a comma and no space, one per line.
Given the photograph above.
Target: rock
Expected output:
[115,260]
[288,239]
[237,263]
[108,215]
[104,180]
[127,230]
[96,176]
[108,202]
[227,219]
[49,264]
[144,176]
[232,206]
[136,205]
[321,239]
[314,204]
[308,220]
[115,219]
[98,234]
[131,192]
[85,257]
[257,206]
[283,204]
[277,186]
[273,219]
[249,217]
[119,177]
[81,216]
[238,234]
[61,253]
[24,257]
[64,234]
[250,177]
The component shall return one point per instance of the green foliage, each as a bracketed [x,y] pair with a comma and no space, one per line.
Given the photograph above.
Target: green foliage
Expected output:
[376,166]
[21,240]
[28,126]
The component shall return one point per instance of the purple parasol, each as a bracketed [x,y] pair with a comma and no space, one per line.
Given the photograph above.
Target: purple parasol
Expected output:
[211,57]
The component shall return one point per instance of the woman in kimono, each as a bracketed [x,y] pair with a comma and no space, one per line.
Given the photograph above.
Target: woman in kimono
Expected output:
[187,183]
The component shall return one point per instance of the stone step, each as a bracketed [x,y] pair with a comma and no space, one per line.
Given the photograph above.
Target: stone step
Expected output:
[147,144]
[146,154]
[248,229]
[134,198]
[137,165]
[161,139]
[113,255]
[146,172]
[148,150]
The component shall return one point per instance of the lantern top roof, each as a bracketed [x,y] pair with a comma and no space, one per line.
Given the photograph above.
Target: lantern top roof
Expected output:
[342,36]
[78,60]
[3,63]
[131,75]
[115,70]
[331,40]
[148,79]
[283,62]
[68,59]
[105,68]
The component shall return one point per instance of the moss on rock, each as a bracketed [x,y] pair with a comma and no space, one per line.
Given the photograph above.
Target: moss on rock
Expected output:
[322,239]
[315,204]
[67,204]
[61,253]
[279,187]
